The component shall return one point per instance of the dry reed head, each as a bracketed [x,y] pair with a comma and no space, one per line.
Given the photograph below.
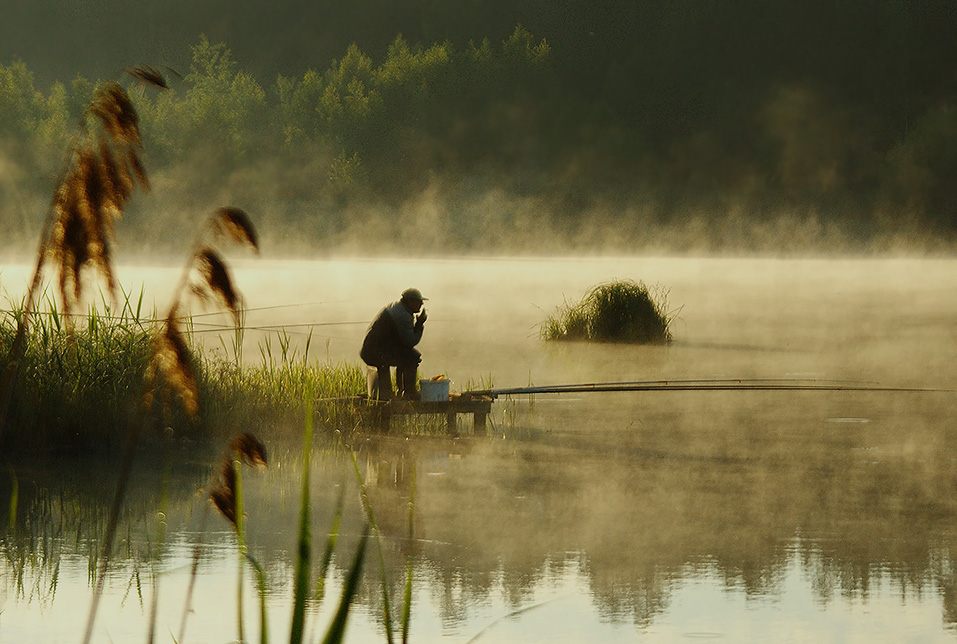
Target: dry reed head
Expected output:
[147,74]
[234,224]
[104,171]
[118,118]
[171,367]
[244,448]
[223,493]
[249,449]
[207,277]
[216,281]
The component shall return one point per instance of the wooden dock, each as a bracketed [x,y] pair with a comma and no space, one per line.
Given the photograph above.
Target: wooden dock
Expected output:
[381,412]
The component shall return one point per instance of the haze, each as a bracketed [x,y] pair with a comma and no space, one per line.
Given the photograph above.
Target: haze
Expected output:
[368,127]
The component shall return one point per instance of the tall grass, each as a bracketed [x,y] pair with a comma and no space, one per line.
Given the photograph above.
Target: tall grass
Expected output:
[76,389]
[102,172]
[616,311]
[79,389]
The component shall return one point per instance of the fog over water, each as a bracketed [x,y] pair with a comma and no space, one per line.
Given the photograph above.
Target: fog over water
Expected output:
[781,172]
[655,516]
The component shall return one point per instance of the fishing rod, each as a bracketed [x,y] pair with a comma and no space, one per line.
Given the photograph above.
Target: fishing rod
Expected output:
[735,384]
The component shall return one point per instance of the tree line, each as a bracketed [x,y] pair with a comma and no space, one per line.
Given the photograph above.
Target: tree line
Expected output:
[491,140]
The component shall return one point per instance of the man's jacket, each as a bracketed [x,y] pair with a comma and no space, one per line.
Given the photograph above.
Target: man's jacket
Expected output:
[392,331]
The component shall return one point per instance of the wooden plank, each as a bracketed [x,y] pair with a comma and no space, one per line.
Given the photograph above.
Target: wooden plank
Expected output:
[479,407]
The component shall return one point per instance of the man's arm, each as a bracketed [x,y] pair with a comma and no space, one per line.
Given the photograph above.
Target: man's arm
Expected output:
[409,332]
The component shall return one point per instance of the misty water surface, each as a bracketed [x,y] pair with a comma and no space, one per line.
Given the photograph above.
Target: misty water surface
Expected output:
[632,517]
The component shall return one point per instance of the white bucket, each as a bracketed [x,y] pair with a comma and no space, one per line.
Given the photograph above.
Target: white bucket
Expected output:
[434,390]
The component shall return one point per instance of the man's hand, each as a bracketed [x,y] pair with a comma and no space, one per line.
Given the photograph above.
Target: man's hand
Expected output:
[423,316]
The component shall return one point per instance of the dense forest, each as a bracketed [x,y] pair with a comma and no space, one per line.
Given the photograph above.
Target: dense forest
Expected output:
[675,126]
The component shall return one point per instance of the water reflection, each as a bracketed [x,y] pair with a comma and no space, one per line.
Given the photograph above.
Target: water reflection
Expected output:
[505,525]
[611,517]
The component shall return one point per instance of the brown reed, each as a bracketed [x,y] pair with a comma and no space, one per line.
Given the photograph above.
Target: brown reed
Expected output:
[103,170]
[147,74]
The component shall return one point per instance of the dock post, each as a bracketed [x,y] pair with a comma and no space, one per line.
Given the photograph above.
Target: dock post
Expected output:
[478,423]
[382,414]
[450,420]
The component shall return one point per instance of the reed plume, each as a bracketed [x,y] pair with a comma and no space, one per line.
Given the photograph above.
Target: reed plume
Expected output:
[171,368]
[234,223]
[227,495]
[206,276]
[147,74]
[103,170]
[246,449]
[223,494]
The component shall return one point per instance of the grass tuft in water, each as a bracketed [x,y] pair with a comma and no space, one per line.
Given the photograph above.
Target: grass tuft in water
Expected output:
[616,311]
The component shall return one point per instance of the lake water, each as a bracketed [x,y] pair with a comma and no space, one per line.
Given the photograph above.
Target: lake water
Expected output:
[741,516]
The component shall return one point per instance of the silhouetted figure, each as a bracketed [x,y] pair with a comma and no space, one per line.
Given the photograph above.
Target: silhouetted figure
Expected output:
[390,342]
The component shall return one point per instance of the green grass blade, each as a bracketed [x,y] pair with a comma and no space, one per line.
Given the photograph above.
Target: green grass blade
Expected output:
[160,538]
[14,500]
[241,541]
[337,629]
[305,546]
[139,305]
[367,506]
[407,597]
[261,586]
[193,572]
[126,467]
[330,547]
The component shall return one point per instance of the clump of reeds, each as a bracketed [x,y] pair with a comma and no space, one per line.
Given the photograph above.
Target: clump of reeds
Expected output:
[227,495]
[616,311]
[78,387]
[172,369]
[103,170]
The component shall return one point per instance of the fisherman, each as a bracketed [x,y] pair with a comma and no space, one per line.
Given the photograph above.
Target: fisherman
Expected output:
[390,342]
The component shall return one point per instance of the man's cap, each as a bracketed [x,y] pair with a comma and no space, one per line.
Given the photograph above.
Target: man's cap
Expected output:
[413,295]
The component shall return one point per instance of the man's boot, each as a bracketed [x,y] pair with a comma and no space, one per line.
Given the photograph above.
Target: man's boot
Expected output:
[406,377]
[385,383]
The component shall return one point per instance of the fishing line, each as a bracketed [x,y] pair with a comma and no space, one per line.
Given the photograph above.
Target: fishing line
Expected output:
[273,307]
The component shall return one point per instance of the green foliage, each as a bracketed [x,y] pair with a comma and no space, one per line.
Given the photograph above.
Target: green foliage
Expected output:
[923,167]
[617,311]
[34,128]
[346,174]
[521,47]
[409,77]
[222,109]
[77,389]
[80,389]
[636,141]
[304,551]
[20,103]
[221,101]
